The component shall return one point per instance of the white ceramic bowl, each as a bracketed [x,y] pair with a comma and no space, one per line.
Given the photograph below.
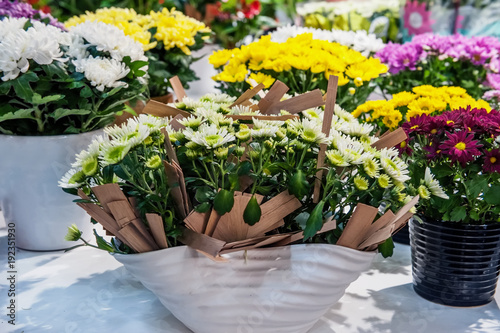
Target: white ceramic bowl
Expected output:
[284,289]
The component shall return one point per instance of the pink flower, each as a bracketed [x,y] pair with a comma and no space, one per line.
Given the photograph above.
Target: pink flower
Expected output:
[460,147]
[416,18]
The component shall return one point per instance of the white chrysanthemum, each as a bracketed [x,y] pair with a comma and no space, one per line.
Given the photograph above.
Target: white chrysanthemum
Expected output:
[213,117]
[70,179]
[356,129]
[18,47]
[154,123]
[260,124]
[113,152]
[315,113]
[267,132]
[193,104]
[393,165]
[343,114]
[219,98]
[311,132]
[371,166]
[243,110]
[336,158]
[209,136]
[9,25]
[101,72]
[132,133]
[433,185]
[353,151]
[192,121]
[108,38]
[92,151]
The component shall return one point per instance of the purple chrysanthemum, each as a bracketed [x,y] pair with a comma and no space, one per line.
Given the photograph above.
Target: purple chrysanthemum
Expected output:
[18,9]
[492,161]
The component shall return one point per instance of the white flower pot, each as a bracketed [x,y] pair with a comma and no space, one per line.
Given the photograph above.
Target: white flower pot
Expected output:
[284,289]
[30,168]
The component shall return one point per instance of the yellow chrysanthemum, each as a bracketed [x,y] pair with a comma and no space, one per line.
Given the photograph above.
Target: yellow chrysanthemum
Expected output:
[262,78]
[173,28]
[302,55]
[425,90]
[402,99]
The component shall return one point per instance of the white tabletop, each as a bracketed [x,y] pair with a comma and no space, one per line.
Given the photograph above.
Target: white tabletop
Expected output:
[86,290]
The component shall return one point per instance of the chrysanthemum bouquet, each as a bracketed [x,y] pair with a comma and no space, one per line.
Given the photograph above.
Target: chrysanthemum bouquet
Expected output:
[302,63]
[461,148]
[403,106]
[16,9]
[441,61]
[56,82]
[212,166]
[168,37]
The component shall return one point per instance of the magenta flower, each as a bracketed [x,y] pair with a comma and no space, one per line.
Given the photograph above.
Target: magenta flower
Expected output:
[461,147]
[492,161]
[417,124]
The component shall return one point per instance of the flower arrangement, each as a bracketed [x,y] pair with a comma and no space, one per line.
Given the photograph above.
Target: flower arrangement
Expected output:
[231,21]
[441,60]
[58,82]
[361,41]
[16,9]
[210,160]
[302,63]
[377,16]
[429,100]
[168,37]
[461,148]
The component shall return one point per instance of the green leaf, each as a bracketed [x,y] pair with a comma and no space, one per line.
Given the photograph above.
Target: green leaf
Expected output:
[22,86]
[315,221]
[223,202]
[477,185]
[60,113]
[244,168]
[203,208]
[492,196]
[86,92]
[102,244]
[38,99]
[386,248]
[458,214]
[19,114]
[204,194]
[252,212]
[298,185]
[301,219]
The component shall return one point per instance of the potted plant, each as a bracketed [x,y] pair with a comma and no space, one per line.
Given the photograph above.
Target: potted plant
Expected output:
[168,38]
[57,88]
[435,60]
[455,236]
[302,63]
[233,180]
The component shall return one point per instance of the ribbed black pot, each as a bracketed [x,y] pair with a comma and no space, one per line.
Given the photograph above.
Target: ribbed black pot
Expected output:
[455,264]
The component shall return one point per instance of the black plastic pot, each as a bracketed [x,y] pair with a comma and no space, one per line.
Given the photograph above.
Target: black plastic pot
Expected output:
[455,264]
